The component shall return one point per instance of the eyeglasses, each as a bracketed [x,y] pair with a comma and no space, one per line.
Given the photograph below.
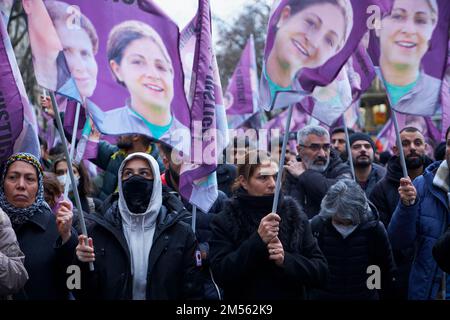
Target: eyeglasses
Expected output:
[317,146]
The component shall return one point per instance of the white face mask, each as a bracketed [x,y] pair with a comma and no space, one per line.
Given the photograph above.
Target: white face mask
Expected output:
[62,181]
[345,231]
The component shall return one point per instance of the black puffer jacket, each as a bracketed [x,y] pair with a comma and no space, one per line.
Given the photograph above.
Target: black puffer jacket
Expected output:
[240,259]
[310,187]
[385,193]
[172,272]
[441,251]
[349,258]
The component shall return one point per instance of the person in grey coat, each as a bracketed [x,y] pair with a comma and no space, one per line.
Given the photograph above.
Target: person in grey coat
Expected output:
[13,274]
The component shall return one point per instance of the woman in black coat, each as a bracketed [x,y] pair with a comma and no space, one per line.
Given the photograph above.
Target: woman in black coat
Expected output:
[256,254]
[48,242]
[353,239]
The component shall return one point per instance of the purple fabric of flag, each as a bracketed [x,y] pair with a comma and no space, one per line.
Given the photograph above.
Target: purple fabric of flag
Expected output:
[410,54]
[198,181]
[123,96]
[241,95]
[299,119]
[445,97]
[307,44]
[328,103]
[18,126]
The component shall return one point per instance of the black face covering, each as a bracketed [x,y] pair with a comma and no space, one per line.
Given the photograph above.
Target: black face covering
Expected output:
[137,192]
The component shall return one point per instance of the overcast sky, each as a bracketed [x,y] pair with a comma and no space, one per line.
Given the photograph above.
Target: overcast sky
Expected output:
[182,11]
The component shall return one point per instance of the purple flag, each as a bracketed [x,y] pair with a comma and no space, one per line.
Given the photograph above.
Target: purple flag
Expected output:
[119,59]
[307,44]
[409,49]
[241,95]
[198,181]
[299,119]
[445,97]
[18,126]
[328,103]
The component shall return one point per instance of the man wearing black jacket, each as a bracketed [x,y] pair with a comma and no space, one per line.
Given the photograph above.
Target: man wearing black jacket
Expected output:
[385,193]
[320,167]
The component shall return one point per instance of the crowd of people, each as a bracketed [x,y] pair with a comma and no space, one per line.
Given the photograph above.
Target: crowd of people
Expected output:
[328,230]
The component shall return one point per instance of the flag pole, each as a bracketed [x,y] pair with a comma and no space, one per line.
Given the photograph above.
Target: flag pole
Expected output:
[72,148]
[70,170]
[399,144]
[347,146]
[283,155]
[194,217]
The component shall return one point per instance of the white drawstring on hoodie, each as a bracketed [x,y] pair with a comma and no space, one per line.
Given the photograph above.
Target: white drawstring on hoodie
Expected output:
[139,234]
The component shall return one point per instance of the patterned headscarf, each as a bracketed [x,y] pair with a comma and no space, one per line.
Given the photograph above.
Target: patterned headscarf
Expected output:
[18,216]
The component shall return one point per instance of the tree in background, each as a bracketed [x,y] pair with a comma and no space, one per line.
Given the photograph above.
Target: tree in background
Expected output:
[17,30]
[233,36]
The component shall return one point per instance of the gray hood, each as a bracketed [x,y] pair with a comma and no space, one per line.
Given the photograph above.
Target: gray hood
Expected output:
[139,229]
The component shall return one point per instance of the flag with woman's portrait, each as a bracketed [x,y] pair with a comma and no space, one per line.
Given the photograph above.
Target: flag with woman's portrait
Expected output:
[18,126]
[122,61]
[308,42]
[409,50]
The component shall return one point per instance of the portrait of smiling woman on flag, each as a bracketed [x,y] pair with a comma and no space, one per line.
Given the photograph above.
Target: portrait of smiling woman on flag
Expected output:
[139,61]
[307,34]
[405,38]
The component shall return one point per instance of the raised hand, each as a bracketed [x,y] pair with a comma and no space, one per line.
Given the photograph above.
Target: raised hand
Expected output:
[269,227]
[85,253]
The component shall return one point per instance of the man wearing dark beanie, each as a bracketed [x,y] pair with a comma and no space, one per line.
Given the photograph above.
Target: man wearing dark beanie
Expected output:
[367,173]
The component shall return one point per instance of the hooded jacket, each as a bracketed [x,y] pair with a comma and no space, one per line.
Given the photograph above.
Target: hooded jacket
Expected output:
[141,256]
[349,258]
[420,226]
[311,186]
[139,229]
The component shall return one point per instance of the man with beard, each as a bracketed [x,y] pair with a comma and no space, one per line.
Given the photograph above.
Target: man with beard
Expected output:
[367,172]
[419,220]
[385,194]
[109,157]
[338,141]
[320,166]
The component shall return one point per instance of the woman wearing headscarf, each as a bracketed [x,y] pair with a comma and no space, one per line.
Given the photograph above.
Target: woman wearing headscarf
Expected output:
[257,254]
[48,241]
